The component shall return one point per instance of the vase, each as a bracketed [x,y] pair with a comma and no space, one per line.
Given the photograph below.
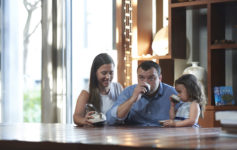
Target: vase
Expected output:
[199,72]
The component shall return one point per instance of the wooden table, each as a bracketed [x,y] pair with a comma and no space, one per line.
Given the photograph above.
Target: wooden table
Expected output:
[67,136]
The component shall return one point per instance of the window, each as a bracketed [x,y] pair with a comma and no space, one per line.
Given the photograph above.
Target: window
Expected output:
[20,61]
[21,52]
[92,26]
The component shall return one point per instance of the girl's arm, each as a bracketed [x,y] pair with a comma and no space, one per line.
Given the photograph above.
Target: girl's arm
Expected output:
[172,110]
[79,116]
[193,117]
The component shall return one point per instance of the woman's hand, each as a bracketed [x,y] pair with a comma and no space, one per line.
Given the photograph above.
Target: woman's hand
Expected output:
[80,117]
[86,121]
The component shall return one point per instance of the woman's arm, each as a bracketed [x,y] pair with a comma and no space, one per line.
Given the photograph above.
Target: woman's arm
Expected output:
[80,117]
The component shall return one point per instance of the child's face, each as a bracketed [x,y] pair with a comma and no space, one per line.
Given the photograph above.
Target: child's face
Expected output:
[105,75]
[182,92]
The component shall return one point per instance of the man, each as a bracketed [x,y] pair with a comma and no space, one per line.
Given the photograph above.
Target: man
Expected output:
[145,103]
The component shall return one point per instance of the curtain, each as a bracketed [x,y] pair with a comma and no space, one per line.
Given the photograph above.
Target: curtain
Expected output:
[55,52]
[10,76]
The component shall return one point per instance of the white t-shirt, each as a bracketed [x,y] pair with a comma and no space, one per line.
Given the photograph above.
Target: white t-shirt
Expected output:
[109,99]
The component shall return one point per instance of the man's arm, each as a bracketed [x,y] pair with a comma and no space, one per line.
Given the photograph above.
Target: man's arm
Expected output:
[111,115]
[124,103]
[124,108]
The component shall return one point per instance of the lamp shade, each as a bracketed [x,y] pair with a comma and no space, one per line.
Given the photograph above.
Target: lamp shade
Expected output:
[160,42]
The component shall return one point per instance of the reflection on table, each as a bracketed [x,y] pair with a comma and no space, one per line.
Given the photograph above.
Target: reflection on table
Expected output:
[65,136]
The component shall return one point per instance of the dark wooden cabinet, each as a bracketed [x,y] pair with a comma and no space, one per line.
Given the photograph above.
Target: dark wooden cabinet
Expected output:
[221,45]
[144,39]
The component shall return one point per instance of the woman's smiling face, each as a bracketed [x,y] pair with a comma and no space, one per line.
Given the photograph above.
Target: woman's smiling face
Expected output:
[105,74]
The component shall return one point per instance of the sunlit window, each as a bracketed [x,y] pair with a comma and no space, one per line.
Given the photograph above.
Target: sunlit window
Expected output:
[21,52]
[31,11]
[21,60]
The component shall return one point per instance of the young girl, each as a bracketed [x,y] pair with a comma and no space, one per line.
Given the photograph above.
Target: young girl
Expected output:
[193,104]
[102,92]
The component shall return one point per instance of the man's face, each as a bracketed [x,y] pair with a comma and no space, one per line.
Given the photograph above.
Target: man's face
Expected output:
[151,77]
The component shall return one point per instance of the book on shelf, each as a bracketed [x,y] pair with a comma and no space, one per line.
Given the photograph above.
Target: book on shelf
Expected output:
[223,95]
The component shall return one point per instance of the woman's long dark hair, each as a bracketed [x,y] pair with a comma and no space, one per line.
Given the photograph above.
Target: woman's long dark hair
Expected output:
[194,90]
[94,93]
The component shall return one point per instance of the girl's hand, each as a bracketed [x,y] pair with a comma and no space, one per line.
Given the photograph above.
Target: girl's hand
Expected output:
[169,123]
[172,103]
[174,99]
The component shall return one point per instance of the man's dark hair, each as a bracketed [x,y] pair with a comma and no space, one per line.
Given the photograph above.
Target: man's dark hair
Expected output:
[146,65]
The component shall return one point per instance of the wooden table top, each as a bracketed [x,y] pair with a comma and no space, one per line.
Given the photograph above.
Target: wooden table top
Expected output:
[63,136]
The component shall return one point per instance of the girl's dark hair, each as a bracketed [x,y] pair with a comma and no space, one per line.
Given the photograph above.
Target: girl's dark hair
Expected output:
[94,93]
[146,65]
[194,90]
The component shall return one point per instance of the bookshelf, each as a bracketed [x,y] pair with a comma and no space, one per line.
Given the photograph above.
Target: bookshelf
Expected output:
[221,20]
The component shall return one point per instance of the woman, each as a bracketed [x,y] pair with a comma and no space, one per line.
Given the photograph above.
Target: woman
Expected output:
[102,92]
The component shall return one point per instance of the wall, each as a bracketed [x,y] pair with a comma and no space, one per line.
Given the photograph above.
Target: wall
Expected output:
[196,32]
[231,55]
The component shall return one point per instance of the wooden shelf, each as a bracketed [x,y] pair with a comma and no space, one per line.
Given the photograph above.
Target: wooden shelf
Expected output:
[222,1]
[151,57]
[221,108]
[220,24]
[199,3]
[224,46]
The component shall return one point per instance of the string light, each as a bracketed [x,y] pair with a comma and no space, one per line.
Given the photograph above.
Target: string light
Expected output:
[127,6]
[128,2]
[127,27]
[128,41]
[127,15]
